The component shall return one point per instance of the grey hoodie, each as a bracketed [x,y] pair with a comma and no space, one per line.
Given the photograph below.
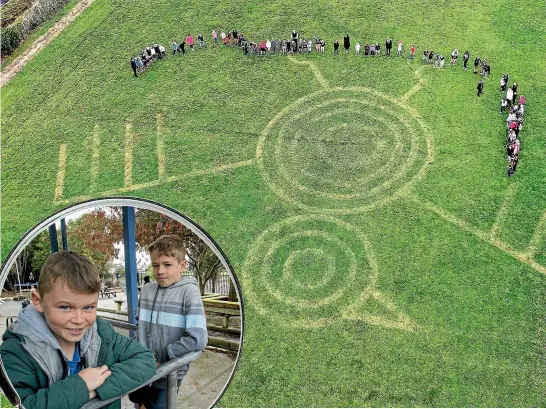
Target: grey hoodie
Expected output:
[43,347]
[172,321]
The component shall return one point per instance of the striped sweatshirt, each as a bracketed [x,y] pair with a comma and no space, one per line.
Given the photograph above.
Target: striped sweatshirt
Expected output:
[172,321]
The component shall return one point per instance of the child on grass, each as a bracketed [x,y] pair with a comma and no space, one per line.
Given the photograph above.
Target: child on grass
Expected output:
[59,354]
[172,319]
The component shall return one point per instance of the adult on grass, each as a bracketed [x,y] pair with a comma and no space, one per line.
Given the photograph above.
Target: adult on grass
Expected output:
[388,46]
[454,56]
[480,86]
[134,66]
[477,62]
[466,57]
[189,41]
[346,43]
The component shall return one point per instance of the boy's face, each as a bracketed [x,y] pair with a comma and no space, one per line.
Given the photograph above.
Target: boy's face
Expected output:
[68,313]
[167,269]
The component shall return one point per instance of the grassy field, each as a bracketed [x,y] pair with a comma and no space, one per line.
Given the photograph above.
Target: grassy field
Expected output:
[385,258]
[4,402]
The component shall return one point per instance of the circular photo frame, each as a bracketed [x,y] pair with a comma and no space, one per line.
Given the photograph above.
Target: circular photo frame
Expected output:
[115,234]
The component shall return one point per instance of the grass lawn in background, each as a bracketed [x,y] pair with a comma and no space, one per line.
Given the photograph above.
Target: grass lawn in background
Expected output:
[384,256]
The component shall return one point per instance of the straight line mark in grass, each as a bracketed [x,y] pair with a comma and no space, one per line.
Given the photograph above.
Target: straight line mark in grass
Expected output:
[485,236]
[318,75]
[415,88]
[410,93]
[95,157]
[147,185]
[128,180]
[160,146]
[403,322]
[60,172]
[503,211]
[537,236]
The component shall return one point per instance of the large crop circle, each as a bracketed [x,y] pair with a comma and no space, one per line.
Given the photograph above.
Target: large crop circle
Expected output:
[305,270]
[343,150]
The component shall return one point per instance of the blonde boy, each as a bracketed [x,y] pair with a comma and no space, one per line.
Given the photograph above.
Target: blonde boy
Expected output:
[59,354]
[172,319]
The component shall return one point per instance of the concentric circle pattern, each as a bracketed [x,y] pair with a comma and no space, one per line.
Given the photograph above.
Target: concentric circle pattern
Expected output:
[343,150]
[305,270]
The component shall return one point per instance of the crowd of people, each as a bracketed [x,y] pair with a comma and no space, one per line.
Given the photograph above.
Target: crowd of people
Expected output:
[514,122]
[142,61]
[294,44]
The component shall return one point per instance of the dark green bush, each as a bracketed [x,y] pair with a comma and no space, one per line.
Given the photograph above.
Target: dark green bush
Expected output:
[11,37]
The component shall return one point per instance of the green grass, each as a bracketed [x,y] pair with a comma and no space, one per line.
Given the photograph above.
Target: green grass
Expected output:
[4,402]
[477,312]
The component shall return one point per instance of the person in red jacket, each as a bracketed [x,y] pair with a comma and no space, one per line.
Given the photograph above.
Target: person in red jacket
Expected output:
[190,41]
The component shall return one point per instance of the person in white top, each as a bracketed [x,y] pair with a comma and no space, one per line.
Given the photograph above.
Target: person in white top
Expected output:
[357,48]
[399,52]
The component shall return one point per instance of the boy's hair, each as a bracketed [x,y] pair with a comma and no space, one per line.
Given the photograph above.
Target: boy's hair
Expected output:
[75,270]
[170,245]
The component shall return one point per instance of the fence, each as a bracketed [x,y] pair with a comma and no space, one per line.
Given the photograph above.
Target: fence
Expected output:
[218,286]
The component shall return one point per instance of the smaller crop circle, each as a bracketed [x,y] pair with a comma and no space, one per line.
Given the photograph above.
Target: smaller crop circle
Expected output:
[303,271]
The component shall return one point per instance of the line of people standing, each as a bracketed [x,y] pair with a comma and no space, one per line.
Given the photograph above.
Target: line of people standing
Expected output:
[514,121]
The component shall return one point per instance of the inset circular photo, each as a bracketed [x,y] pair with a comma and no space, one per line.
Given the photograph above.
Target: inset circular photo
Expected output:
[118,302]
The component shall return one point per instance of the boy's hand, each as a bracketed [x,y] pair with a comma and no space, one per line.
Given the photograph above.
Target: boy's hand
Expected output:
[94,377]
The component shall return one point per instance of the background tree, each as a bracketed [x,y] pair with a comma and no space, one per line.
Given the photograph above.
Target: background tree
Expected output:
[95,234]
[202,262]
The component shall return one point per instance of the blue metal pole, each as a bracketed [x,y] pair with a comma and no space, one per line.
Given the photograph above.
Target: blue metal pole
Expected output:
[53,240]
[63,235]
[129,246]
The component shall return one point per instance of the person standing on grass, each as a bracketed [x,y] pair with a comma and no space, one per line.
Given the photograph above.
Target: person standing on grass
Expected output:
[346,43]
[514,93]
[477,62]
[399,50]
[504,104]
[214,35]
[183,47]
[502,85]
[357,49]
[190,41]
[388,46]
[466,57]
[412,52]
[134,66]
[480,87]
[336,47]
[454,57]
[175,47]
